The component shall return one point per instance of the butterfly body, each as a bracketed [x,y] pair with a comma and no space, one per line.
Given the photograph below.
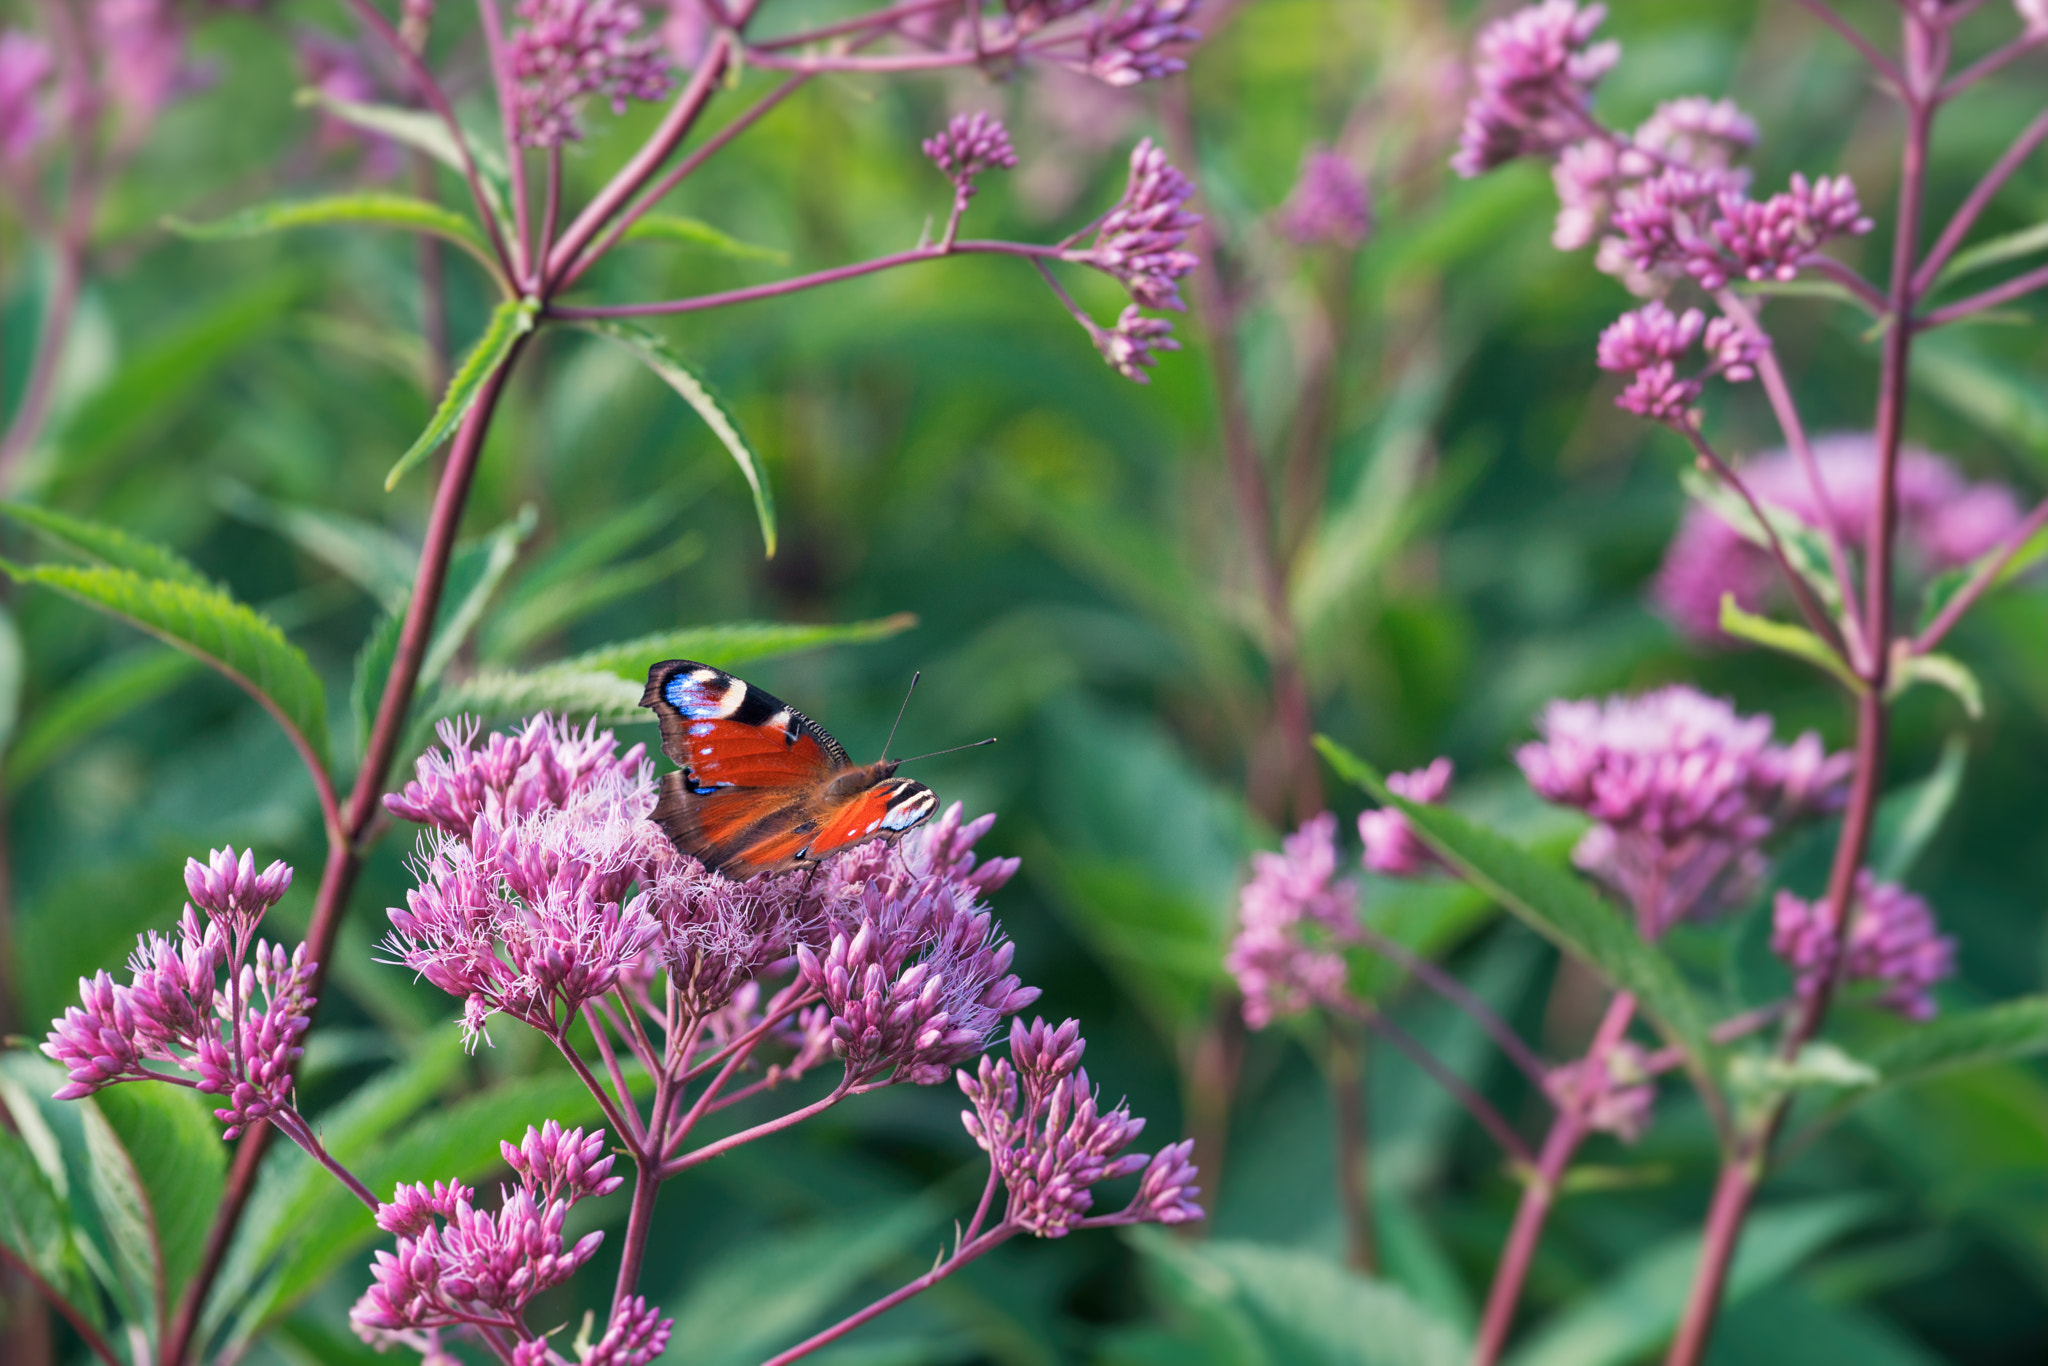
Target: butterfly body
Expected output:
[762,788]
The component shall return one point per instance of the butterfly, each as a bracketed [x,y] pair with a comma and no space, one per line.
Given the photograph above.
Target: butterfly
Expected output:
[762,787]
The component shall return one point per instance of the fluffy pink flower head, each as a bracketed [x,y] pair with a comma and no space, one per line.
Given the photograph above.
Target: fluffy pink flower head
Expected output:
[1142,241]
[1051,1142]
[1533,73]
[1292,916]
[1391,845]
[1330,204]
[26,64]
[550,762]
[564,51]
[1684,791]
[1944,521]
[1893,942]
[456,1264]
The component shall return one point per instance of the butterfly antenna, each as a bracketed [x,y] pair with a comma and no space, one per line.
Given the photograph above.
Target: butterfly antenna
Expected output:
[954,750]
[915,675]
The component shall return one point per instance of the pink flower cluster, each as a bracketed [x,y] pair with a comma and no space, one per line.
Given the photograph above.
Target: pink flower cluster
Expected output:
[546,886]
[1293,918]
[1142,241]
[1050,1142]
[455,1264]
[968,145]
[1944,521]
[1330,203]
[1647,344]
[1130,346]
[1893,942]
[1533,74]
[566,50]
[1684,791]
[1392,847]
[1701,223]
[238,1039]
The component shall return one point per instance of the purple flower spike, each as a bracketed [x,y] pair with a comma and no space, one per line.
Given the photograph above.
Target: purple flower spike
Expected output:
[1893,942]
[637,1335]
[1167,1194]
[1129,43]
[1291,916]
[414,1208]
[967,146]
[254,1068]
[1043,1055]
[567,50]
[1534,72]
[556,1165]
[230,890]
[98,1041]
[1330,204]
[1391,845]
[1141,241]
[1647,344]
[1129,347]
[1685,793]
[26,63]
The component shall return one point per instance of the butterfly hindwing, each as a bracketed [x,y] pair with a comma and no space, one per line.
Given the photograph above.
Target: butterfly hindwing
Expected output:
[885,811]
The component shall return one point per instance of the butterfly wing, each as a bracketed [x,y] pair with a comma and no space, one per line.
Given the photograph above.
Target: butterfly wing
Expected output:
[762,787]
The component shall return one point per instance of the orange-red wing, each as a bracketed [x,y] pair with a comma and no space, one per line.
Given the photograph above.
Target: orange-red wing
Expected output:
[885,811]
[737,831]
[725,733]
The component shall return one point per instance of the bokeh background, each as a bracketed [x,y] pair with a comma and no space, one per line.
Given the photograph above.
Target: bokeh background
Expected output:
[1475,527]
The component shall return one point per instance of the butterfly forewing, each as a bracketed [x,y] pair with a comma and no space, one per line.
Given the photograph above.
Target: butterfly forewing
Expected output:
[763,788]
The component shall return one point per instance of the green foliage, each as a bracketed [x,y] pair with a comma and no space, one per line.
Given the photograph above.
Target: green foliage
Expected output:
[1787,639]
[370,209]
[213,628]
[509,324]
[107,545]
[733,645]
[693,232]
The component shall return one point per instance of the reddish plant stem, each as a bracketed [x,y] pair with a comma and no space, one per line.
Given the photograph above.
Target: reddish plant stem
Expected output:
[1980,582]
[94,1343]
[647,1178]
[762,1130]
[1979,199]
[1292,711]
[344,858]
[521,243]
[1474,1104]
[1539,1194]
[1354,1180]
[1926,52]
[1001,1233]
[1854,37]
[26,427]
[1993,62]
[300,1132]
[2016,288]
[1459,995]
[858,24]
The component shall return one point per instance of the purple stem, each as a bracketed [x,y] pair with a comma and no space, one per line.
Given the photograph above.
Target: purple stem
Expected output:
[294,1127]
[515,154]
[1461,996]
[1850,34]
[744,1136]
[1988,574]
[857,24]
[1996,61]
[27,424]
[1980,197]
[626,1123]
[2018,287]
[87,1334]
[1001,1233]
[1845,275]
[1475,1104]
[797,283]
[1539,1194]
[889,62]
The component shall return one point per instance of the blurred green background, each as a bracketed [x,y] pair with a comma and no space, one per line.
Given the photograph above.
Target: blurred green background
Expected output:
[1476,527]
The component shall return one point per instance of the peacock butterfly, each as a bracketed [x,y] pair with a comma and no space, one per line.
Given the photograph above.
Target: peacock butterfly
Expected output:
[762,788]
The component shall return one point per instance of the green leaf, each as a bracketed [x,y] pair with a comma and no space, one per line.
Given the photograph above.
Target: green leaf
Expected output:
[1760,1079]
[11,674]
[571,692]
[474,577]
[376,561]
[1805,289]
[1636,1310]
[108,545]
[1805,547]
[562,604]
[692,232]
[370,208]
[175,1144]
[1982,387]
[1301,1308]
[1995,251]
[214,629]
[108,692]
[35,1227]
[372,671]
[1785,638]
[1911,816]
[657,355]
[123,1206]
[1943,671]
[510,321]
[1554,902]
[423,132]
[764,1295]
[1967,1038]
[1158,941]
[732,645]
